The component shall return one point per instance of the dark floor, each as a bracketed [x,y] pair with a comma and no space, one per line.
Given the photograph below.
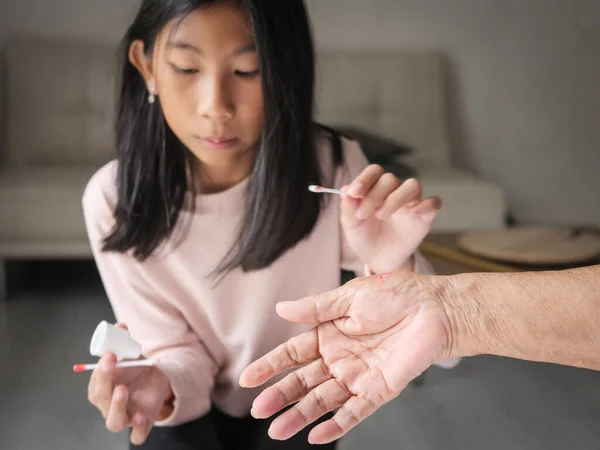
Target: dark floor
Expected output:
[485,403]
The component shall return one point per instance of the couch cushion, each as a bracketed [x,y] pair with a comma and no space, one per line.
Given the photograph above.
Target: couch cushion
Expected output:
[60,98]
[375,146]
[42,204]
[468,202]
[399,95]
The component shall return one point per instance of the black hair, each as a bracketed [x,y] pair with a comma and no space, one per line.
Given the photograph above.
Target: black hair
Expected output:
[155,172]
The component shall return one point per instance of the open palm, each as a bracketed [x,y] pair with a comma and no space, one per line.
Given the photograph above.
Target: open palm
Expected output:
[359,356]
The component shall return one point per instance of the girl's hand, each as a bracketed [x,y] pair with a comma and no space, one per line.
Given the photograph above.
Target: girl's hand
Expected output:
[129,397]
[385,220]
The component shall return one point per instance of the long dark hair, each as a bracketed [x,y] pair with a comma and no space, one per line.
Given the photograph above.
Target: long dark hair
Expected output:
[154,167]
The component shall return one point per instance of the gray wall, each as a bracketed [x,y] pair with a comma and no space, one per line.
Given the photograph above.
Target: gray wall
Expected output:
[3,26]
[524,79]
[526,76]
[3,18]
[93,19]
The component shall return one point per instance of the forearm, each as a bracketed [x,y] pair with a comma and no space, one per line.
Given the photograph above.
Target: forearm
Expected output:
[539,316]
[191,377]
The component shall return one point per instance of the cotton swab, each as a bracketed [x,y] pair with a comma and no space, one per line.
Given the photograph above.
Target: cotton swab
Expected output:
[324,190]
[141,363]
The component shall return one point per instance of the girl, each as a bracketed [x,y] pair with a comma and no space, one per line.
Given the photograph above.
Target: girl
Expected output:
[205,221]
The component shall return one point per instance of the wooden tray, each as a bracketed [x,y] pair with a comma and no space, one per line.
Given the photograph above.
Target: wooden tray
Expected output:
[533,245]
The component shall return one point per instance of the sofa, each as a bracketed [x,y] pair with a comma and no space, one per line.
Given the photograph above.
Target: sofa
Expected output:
[401,96]
[57,120]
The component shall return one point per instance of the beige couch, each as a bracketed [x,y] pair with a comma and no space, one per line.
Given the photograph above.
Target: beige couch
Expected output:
[402,96]
[57,121]
[58,111]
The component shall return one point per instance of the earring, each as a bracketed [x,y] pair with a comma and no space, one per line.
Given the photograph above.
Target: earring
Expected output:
[152,97]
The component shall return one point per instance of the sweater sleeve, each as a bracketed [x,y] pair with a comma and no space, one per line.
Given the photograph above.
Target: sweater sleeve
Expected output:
[355,162]
[152,320]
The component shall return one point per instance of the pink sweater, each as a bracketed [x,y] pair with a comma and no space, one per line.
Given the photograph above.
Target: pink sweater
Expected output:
[205,335]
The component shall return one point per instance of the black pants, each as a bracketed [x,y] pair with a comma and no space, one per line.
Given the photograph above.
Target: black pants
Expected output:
[218,431]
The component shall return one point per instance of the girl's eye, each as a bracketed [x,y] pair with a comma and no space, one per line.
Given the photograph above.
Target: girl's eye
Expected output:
[243,74]
[185,71]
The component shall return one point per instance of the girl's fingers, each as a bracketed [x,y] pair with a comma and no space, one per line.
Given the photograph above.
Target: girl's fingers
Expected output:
[140,430]
[365,181]
[121,325]
[372,201]
[101,387]
[117,419]
[349,206]
[427,210]
[408,194]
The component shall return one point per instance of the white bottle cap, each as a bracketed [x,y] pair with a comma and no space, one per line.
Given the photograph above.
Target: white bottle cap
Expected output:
[110,339]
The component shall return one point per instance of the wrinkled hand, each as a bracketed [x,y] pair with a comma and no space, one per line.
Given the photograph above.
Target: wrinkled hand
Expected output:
[374,335]
[128,397]
[384,219]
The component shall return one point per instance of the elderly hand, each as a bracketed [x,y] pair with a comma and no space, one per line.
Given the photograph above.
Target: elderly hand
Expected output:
[373,336]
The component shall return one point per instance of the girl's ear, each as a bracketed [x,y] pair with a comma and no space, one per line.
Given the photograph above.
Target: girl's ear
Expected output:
[139,59]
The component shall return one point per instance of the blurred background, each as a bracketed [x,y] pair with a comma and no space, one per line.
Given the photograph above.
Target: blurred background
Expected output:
[493,104]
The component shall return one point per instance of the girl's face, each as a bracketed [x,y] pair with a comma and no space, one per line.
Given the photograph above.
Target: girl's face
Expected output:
[207,80]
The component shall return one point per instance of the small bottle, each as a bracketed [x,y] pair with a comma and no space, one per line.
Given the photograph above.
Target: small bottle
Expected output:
[110,339]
